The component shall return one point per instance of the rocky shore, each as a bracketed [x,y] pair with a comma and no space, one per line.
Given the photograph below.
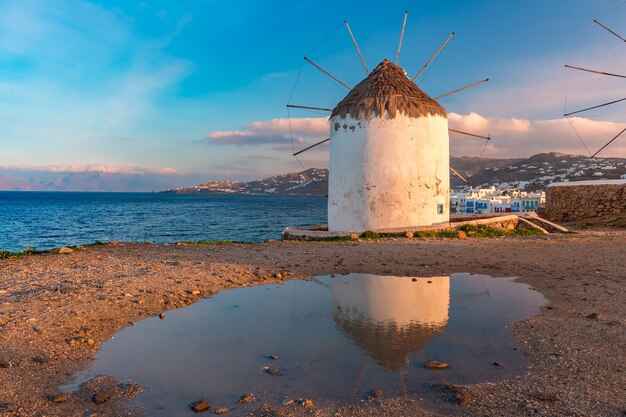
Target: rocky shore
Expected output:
[56,310]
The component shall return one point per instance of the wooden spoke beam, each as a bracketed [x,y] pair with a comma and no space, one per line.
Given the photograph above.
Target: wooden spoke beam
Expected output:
[293,106]
[356,46]
[595,72]
[487,138]
[594,107]
[327,73]
[311,147]
[455,172]
[609,142]
[433,57]
[462,88]
[609,30]
[406,13]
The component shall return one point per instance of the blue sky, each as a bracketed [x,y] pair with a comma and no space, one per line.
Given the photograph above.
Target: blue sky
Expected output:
[200,86]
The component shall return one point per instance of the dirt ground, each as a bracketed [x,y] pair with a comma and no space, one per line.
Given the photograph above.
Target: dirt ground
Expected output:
[56,311]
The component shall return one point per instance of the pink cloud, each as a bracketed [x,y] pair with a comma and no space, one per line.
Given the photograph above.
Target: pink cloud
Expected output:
[102,168]
[515,137]
[275,131]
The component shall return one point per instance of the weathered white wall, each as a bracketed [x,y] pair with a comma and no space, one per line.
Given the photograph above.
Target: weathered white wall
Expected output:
[388,173]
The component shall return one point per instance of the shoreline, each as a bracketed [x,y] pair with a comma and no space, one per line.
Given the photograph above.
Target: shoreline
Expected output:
[90,294]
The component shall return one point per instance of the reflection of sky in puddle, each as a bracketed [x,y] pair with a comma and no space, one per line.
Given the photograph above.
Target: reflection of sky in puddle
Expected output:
[336,338]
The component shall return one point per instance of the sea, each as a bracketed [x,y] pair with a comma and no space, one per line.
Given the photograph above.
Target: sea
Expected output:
[47,220]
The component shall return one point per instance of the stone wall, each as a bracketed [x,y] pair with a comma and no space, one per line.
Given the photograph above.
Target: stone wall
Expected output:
[571,201]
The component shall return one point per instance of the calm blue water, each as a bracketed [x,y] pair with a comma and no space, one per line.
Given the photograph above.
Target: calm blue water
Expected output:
[45,220]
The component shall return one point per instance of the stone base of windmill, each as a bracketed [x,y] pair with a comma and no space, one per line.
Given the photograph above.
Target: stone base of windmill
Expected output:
[502,221]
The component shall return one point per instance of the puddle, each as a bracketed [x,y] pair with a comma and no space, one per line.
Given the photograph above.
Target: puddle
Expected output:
[335,338]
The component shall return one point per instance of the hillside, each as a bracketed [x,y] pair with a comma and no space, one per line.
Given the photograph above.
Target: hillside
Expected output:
[525,173]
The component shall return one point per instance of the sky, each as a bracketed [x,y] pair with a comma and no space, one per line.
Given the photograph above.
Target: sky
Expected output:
[198,88]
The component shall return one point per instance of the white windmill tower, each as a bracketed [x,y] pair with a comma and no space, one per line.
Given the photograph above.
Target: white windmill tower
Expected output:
[389,151]
[389,155]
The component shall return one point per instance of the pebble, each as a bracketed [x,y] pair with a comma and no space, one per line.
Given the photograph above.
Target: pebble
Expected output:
[221,410]
[375,393]
[64,250]
[274,357]
[200,406]
[278,275]
[60,398]
[307,403]
[353,236]
[40,359]
[408,234]
[3,321]
[435,365]
[453,393]
[414,279]
[161,316]
[246,398]
[593,316]
[100,398]
[287,402]
[272,371]
[5,363]
[461,234]
[497,364]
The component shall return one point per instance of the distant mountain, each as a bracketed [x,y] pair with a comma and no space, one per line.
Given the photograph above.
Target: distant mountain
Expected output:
[313,181]
[80,181]
[525,173]
[536,172]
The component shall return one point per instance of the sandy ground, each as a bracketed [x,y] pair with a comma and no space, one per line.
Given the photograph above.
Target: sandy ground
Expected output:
[56,311]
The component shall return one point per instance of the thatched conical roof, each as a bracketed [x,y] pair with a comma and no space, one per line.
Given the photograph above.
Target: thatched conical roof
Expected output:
[387,88]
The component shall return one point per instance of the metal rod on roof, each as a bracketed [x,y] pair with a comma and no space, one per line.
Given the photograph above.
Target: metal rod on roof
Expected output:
[462,88]
[406,13]
[358,51]
[609,30]
[293,106]
[470,134]
[454,171]
[594,107]
[609,142]
[433,57]
[327,73]
[595,72]
[312,146]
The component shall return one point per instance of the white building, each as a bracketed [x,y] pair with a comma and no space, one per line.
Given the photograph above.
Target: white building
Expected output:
[490,200]
[389,155]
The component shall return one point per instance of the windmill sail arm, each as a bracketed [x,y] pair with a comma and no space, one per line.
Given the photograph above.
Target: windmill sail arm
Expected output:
[311,147]
[487,138]
[609,142]
[594,107]
[458,90]
[455,172]
[294,106]
[610,31]
[433,57]
[327,73]
[356,46]
[595,71]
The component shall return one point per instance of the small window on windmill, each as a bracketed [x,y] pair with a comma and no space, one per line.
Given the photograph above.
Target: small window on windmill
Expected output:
[439,208]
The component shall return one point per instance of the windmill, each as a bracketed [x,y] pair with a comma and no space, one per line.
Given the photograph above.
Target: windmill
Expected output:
[569,114]
[389,148]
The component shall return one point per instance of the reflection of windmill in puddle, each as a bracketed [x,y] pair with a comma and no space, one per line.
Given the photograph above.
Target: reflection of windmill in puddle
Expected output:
[389,149]
[390,317]
[569,114]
